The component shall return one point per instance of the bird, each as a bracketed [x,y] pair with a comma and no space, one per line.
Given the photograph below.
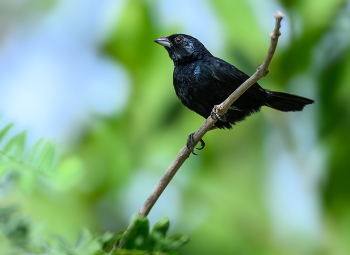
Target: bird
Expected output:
[202,81]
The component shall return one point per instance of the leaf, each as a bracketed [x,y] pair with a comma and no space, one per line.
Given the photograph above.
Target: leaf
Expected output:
[161,227]
[137,239]
[15,147]
[26,165]
[106,237]
[34,152]
[4,131]
[158,233]
[86,244]
[175,241]
[46,157]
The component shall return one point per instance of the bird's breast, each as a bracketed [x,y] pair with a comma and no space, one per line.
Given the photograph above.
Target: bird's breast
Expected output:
[186,81]
[188,84]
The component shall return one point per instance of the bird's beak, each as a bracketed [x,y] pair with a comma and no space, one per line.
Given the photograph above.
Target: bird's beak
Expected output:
[164,41]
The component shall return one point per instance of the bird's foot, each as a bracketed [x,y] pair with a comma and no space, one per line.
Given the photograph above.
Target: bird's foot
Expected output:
[215,115]
[190,142]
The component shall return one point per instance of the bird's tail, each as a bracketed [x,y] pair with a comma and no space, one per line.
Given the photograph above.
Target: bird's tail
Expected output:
[286,102]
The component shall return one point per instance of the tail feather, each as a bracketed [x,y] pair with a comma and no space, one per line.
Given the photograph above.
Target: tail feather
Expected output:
[286,102]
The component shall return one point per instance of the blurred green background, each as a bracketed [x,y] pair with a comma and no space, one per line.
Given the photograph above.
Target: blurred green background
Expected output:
[89,76]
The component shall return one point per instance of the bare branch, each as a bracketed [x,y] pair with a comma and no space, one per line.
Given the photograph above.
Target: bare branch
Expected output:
[205,127]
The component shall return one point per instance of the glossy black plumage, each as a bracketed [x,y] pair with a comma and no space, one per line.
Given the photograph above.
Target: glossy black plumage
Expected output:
[202,81]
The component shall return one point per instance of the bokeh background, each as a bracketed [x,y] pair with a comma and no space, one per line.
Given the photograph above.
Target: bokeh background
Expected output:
[87,75]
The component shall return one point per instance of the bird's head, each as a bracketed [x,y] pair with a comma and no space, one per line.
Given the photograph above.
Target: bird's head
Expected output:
[183,48]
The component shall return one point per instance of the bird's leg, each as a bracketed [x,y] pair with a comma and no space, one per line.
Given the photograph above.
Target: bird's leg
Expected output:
[215,115]
[190,141]
[202,144]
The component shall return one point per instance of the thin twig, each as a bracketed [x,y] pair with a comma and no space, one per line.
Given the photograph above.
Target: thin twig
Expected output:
[205,127]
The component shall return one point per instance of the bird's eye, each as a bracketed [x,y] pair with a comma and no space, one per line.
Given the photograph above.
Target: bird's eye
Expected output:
[178,39]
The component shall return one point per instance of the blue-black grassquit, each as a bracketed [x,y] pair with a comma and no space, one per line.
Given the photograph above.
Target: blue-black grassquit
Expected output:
[202,81]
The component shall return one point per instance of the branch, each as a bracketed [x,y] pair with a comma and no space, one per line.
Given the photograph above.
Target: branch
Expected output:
[205,127]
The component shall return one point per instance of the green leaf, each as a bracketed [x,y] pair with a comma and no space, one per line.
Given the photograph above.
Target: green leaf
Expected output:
[34,152]
[15,147]
[158,233]
[46,157]
[138,237]
[25,165]
[175,241]
[161,227]
[4,131]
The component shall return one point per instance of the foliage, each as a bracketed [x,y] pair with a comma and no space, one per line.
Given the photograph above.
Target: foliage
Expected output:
[17,233]
[155,241]
[13,156]
[17,237]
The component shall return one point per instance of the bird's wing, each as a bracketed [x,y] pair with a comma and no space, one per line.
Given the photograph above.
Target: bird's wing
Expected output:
[233,77]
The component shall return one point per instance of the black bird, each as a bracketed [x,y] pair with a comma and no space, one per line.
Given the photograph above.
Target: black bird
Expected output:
[202,81]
